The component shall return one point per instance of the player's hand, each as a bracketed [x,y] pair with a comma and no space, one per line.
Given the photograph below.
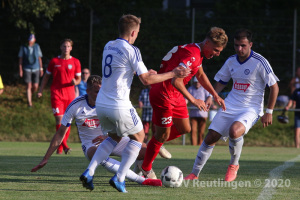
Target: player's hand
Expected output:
[200,104]
[221,102]
[208,102]
[181,72]
[39,94]
[39,166]
[73,81]
[151,71]
[97,140]
[267,119]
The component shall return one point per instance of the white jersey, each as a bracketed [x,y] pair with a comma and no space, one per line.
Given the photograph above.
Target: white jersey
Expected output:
[249,81]
[120,62]
[86,119]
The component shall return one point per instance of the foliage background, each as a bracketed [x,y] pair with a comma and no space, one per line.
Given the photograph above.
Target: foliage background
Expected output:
[161,29]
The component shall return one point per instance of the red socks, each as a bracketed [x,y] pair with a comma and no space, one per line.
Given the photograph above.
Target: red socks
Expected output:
[153,148]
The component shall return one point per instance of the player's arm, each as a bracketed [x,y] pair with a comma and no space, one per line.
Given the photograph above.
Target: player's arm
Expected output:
[76,80]
[43,84]
[268,117]
[179,85]
[292,85]
[41,67]
[202,78]
[151,77]
[56,141]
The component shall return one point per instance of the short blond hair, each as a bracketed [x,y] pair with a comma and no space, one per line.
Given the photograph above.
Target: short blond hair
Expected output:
[66,40]
[127,23]
[217,36]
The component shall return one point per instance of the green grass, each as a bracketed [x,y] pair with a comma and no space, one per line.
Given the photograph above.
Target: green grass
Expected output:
[59,179]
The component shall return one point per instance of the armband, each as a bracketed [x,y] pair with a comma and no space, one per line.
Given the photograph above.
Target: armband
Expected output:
[269,111]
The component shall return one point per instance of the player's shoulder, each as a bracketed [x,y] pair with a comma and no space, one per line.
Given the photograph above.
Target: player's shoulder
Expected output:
[77,102]
[258,57]
[230,59]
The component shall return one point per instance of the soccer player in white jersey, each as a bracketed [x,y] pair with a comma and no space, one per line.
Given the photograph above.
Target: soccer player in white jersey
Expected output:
[121,60]
[83,110]
[250,73]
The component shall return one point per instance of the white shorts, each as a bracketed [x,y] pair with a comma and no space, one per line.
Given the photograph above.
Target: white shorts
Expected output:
[116,152]
[224,119]
[123,122]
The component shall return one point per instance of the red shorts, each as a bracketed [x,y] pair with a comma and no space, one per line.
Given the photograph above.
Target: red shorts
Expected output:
[59,106]
[165,108]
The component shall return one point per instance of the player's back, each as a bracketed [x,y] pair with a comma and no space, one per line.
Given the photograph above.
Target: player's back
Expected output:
[120,62]
[189,55]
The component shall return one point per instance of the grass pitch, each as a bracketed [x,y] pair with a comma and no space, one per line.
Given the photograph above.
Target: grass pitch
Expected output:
[265,173]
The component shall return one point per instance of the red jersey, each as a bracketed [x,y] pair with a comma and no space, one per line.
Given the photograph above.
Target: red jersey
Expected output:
[63,71]
[189,55]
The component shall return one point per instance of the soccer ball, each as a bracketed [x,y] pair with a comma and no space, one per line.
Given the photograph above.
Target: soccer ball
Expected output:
[171,176]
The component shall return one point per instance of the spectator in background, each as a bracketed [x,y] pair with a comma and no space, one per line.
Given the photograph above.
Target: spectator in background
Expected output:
[66,72]
[31,66]
[198,118]
[80,89]
[295,100]
[144,103]
[1,86]
[295,82]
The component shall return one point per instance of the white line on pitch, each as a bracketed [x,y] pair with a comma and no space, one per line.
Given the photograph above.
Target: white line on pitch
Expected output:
[269,191]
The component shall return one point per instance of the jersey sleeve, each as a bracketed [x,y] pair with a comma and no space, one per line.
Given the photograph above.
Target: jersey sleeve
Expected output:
[77,68]
[137,62]
[223,75]
[50,66]
[69,115]
[39,51]
[20,54]
[267,73]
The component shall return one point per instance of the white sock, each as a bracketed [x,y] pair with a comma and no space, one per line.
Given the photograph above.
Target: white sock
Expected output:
[102,152]
[129,155]
[113,165]
[235,149]
[202,156]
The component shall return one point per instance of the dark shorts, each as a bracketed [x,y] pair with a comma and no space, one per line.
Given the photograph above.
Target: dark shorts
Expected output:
[31,77]
[297,121]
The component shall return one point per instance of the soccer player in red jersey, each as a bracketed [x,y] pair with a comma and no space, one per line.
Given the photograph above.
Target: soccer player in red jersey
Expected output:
[170,113]
[66,72]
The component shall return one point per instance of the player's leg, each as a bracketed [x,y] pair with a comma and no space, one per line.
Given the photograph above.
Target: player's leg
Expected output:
[64,144]
[204,153]
[201,129]
[58,123]
[161,135]
[146,126]
[240,126]
[194,126]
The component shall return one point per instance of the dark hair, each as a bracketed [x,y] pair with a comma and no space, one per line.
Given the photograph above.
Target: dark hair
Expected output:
[66,40]
[243,33]
[94,79]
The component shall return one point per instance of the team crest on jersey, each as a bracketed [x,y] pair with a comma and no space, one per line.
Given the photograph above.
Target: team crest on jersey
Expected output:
[70,66]
[247,71]
[241,86]
[93,123]
[193,59]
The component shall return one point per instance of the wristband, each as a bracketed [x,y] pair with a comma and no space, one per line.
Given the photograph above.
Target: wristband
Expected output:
[269,111]
[41,69]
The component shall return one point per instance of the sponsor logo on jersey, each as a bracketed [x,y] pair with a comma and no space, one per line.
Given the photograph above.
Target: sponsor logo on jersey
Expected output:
[94,123]
[70,66]
[241,86]
[247,71]
[189,63]
[57,65]
[193,59]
